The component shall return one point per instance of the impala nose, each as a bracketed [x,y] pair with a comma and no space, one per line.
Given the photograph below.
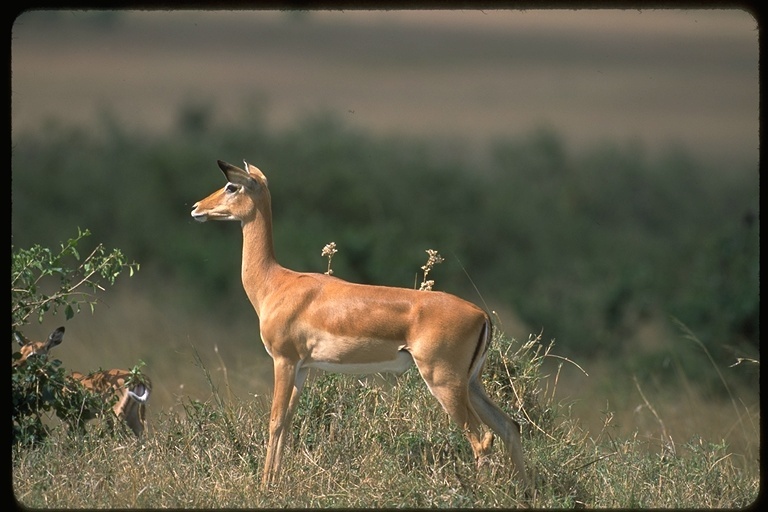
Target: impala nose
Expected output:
[200,217]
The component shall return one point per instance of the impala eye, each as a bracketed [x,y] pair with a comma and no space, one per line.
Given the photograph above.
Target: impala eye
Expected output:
[230,188]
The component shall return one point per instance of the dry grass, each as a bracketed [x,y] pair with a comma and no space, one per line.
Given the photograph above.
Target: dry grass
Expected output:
[381,442]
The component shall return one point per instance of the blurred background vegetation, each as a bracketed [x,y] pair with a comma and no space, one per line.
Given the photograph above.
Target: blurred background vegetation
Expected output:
[587,246]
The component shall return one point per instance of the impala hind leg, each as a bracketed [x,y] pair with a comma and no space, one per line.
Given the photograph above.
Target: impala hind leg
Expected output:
[504,426]
[456,403]
[134,417]
[452,393]
[289,380]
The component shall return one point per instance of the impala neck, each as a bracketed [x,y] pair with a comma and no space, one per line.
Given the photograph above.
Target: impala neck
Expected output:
[259,260]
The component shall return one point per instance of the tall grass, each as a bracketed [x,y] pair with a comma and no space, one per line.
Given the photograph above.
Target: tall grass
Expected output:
[379,442]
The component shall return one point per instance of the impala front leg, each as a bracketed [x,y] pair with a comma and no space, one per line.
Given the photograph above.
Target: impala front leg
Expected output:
[288,382]
[298,383]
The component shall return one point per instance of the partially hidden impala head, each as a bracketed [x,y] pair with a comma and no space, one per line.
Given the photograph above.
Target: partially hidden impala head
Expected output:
[131,395]
[37,348]
[244,194]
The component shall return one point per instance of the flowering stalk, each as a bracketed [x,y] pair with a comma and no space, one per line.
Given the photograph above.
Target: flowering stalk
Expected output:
[434,259]
[329,250]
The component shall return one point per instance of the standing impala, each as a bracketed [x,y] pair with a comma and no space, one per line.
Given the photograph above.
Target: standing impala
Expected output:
[312,320]
[131,397]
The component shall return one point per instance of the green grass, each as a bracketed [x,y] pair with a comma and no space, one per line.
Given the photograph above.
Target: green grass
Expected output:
[380,442]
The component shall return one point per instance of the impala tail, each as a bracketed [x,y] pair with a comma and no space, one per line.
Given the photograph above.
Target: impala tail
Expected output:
[481,351]
[139,392]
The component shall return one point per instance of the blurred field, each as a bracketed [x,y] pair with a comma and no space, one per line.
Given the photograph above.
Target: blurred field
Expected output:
[652,78]
[657,77]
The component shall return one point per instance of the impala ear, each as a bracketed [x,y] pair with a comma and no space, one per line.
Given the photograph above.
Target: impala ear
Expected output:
[227,168]
[55,338]
[255,171]
[235,174]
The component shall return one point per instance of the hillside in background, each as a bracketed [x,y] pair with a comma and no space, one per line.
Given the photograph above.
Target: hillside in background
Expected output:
[652,77]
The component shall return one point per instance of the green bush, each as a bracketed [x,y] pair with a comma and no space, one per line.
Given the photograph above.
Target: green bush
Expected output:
[42,282]
[589,245]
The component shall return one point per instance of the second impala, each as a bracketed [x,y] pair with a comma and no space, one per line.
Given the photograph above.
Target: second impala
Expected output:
[115,383]
[310,320]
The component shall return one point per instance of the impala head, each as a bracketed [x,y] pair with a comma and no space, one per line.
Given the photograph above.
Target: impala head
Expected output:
[38,348]
[244,194]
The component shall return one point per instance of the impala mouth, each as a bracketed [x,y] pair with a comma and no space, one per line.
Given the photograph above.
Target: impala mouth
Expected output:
[199,217]
[211,215]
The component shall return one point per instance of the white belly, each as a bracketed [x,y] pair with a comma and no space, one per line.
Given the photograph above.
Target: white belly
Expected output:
[402,362]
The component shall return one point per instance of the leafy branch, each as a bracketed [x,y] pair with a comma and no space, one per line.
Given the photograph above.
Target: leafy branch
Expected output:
[32,270]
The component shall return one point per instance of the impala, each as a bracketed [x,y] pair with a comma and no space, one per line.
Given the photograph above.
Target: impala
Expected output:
[310,320]
[131,397]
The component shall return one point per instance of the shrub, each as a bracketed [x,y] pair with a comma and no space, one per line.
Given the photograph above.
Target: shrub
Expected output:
[40,385]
